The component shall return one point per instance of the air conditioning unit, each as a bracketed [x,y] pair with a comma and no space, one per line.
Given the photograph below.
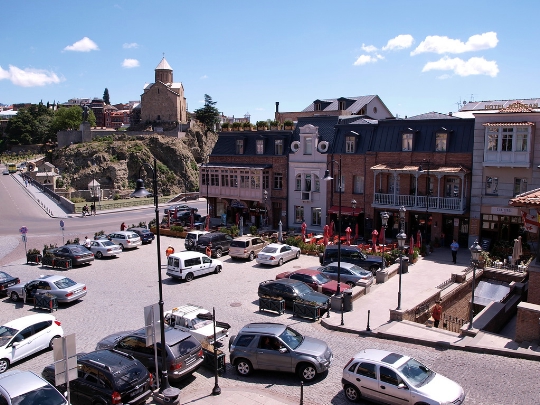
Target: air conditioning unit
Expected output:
[295,146]
[306,195]
[322,146]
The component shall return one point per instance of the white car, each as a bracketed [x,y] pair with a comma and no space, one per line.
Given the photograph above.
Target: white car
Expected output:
[125,239]
[394,378]
[24,387]
[104,248]
[276,253]
[25,336]
[63,288]
[197,321]
[188,265]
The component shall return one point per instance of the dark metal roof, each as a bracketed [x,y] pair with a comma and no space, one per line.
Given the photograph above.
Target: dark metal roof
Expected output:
[226,143]
[498,104]
[325,125]
[432,116]
[332,104]
[364,133]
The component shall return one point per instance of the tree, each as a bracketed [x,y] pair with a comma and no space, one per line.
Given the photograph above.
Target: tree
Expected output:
[106,98]
[209,114]
[31,125]
[70,118]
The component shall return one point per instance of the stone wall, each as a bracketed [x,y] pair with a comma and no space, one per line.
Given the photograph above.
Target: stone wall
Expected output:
[528,322]
[534,284]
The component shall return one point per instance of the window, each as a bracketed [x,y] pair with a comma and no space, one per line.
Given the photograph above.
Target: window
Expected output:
[358,184]
[492,185]
[244,181]
[239,146]
[520,186]
[205,179]
[278,147]
[440,141]
[316,216]
[298,182]
[278,181]
[308,146]
[234,180]
[259,147]
[507,137]
[255,182]
[307,182]
[298,213]
[389,376]
[339,182]
[350,144]
[493,139]
[406,142]
[214,179]
[342,105]
[225,180]
[367,370]
[317,183]
[317,106]
[266,180]
[452,187]
[521,139]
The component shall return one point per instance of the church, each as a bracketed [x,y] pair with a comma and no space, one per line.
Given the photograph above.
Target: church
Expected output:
[163,101]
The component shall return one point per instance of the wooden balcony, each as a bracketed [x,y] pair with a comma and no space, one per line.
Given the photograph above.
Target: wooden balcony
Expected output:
[452,205]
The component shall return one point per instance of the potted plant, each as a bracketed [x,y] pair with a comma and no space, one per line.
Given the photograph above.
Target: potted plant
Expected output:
[236,126]
[225,126]
[288,124]
[307,309]
[274,125]
[276,304]
[253,230]
[33,256]
[262,125]
[246,126]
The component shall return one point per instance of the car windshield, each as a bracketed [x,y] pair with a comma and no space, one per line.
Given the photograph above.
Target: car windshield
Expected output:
[124,380]
[64,283]
[78,249]
[269,249]
[303,288]
[415,372]
[183,347]
[46,395]
[292,338]
[359,270]
[199,323]
[6,334]
[238,243]
[107,243]
[4,276]
[132,236]
[321,278]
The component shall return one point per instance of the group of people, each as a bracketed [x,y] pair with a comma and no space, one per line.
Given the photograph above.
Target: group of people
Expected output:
[91,211]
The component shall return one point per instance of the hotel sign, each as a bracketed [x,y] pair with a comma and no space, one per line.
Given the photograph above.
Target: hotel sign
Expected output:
[500,106]
[505,211]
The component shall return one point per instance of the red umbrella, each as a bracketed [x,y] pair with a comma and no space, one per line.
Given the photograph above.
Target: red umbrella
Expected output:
[304,227]
[382,237]
[325,234]
[348,234]
[331,230]
[374,235]
[418,239]
[207,226]
[411,245]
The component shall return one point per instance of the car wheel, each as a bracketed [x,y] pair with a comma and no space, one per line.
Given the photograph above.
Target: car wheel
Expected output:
[14,296]
[217,269]
[4,365]
[219,253]
[189,277]
[51,343]
[352,393]
[307,372]
[297,255]
[251,256]
[99,255]
[374,269]
[280,262]
[243,367]
[121,247]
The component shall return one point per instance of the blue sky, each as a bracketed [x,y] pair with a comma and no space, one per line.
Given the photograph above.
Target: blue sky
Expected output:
[418,56]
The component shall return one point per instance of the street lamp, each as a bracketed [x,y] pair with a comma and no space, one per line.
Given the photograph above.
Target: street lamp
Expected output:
[427,162]
[353,205]
[475,249]
[207,183]
[265,207]
[401,237]
[165,390]
[384,219]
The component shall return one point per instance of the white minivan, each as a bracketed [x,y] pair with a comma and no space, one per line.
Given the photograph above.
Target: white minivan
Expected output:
[188,265]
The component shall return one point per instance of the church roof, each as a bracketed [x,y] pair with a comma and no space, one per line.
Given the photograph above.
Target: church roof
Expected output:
[163,65]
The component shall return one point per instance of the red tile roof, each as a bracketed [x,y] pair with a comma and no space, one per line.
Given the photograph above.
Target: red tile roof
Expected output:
[528,199]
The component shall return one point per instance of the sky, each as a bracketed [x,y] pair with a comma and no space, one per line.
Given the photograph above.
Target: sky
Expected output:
[417,56]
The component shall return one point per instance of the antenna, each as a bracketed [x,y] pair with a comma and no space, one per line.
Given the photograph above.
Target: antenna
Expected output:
[472,98]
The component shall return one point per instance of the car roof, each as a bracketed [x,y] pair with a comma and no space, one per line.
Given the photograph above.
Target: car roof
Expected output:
[187,254]
[172,335]
[383,356]
[310,272]
[343,247]
[198,232]
[276,245]
[245,238]
[25,321]
[123,233]
[285,281]
[264,327]
[17,382]
[49,277]
[116,360]
[342,264]
[138,228]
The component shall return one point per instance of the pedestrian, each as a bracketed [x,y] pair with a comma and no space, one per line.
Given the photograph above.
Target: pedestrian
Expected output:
[454,246]
[87,242]
[93,209]
[123,226]
[436,313]
[169,251]
[209,250]
[85,210]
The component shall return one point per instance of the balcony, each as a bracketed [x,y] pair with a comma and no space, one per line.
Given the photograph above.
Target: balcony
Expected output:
[452,205]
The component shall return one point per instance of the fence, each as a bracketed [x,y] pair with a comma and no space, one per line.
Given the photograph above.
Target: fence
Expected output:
[132,202]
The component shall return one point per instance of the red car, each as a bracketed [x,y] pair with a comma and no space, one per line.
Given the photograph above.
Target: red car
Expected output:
[315,279]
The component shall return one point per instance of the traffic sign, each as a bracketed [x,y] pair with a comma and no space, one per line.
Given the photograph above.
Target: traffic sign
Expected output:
[24,237]
[23,230]
[62,224]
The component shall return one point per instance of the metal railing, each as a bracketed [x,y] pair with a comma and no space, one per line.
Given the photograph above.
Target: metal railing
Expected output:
[441,203]
[452,323]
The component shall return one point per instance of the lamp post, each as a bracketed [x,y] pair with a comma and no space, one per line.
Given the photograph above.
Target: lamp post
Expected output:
[265,207]
[353,205]
[475,249]
[401,237]
[384,219]
[207,174]
[165,390]
[427,163]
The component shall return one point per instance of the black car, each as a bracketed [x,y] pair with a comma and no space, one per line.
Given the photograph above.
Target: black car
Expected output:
[7,281]
[179,207]
[291,290]
[77,253]
[184,352]
[107,377]
[351,254]
[144,233]
[219,243]
[184,218]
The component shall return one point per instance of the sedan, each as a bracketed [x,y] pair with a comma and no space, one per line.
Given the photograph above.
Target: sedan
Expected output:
[179,207]
[64,288]
[315,279]
[348,273]
[290,291]
[277,254]
[77,253]
[104,248]
[7,281]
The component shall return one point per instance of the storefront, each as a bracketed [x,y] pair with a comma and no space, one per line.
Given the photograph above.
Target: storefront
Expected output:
[501,224]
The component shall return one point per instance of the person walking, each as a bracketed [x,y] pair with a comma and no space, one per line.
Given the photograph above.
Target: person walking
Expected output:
[209,250]
[123,226]
[436,313]
[93,209]
[454,246]
[169,251]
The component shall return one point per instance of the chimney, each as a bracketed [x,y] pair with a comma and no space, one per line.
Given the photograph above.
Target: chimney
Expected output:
[450,113]
[277,106]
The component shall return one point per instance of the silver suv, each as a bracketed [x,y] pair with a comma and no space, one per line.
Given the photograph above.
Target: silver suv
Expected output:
[246,247]
[277,347]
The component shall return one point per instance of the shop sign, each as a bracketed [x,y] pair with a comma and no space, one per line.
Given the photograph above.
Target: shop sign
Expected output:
[505,211]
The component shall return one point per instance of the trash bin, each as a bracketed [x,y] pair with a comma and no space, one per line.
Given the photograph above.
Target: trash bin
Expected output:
[347,300]
[405,264]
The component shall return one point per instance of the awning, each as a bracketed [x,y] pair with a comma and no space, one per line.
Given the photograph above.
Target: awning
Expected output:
[344,210]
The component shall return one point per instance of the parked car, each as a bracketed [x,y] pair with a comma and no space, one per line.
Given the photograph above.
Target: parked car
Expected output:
[197,321]
[277,254]
[78,254]
[104,248]
[25,336]
[19,387]
[184,352]
[219,243]
[63,288]
[7,281]
[246,247]
[349,273]
[290,291]
[179,207]
[315,279]
[146,236]
[277,347]
[5,172]
[188,265]
[184,218]
[107,377]
[125,239]
[351,254]
[394,378]
[192,237]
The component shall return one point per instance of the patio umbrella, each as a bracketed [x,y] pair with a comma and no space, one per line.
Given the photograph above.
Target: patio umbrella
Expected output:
[374,236]
[516,252]
[280,232]
[237,218]
[331,230]
[348,234]
[241,227]
[382,237]
[304,227]
[418,239]
[411,245]
[207,225]
[325,234]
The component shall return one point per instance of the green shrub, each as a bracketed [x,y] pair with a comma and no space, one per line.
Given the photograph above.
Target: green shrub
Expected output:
[76,200]
[177,228]
[116,197]
[33,251]
[253,230]
[262,124]
[246,125]
[225,125]
[288,123]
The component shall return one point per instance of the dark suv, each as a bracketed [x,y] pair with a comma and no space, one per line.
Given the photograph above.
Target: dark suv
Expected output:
[107,377]
[184,352]
[219,242]
[145,234]
[351,254]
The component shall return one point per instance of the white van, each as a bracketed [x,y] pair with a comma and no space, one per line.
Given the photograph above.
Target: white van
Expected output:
[188,265]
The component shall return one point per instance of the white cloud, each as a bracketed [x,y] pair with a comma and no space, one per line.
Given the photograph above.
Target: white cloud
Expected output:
[130,63]
[130,45]
[438,44]
[369,48]
[364,59]
[29,77]
[473,66]
[204,77]
[84,45]
[400,42]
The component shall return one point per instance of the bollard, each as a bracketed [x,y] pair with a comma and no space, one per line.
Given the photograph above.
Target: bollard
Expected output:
[302,392]
[368,328]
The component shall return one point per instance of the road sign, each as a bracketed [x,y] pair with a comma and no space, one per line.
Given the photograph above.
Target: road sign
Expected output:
[62,224]
[151,324]
[23,229]
[24,237]
[65,358]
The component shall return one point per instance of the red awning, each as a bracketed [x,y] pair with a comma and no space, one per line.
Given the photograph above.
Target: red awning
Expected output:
[344,210]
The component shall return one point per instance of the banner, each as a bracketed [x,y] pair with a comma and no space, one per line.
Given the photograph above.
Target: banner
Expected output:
[530,222]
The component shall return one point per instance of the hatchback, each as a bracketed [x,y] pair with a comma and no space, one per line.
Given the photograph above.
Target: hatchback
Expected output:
[394,378]
[24,387]
[104,248]
[246,247]
[25,336]
[63,288]
[125,239]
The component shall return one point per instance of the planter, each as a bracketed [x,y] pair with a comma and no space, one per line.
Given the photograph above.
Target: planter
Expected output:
[168,232]
[312,312]
[33,258]
[56,262]
[288,127]
[275,128]
[210,360]
[272,304]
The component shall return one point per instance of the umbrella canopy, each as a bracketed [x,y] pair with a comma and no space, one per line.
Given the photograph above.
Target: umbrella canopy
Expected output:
[326,230]
[331,230]
[348,234]
[356,231]
[280,232]
[241,227]
[418,239]
[304,227]
[382,237]
[325,239]
[374,236]
[411,245]
[207,225]
[516,252]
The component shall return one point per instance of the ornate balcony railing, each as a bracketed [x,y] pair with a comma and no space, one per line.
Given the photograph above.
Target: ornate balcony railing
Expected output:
[435,204]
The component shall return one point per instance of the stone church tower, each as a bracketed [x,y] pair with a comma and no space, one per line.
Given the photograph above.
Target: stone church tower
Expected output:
[163,101]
